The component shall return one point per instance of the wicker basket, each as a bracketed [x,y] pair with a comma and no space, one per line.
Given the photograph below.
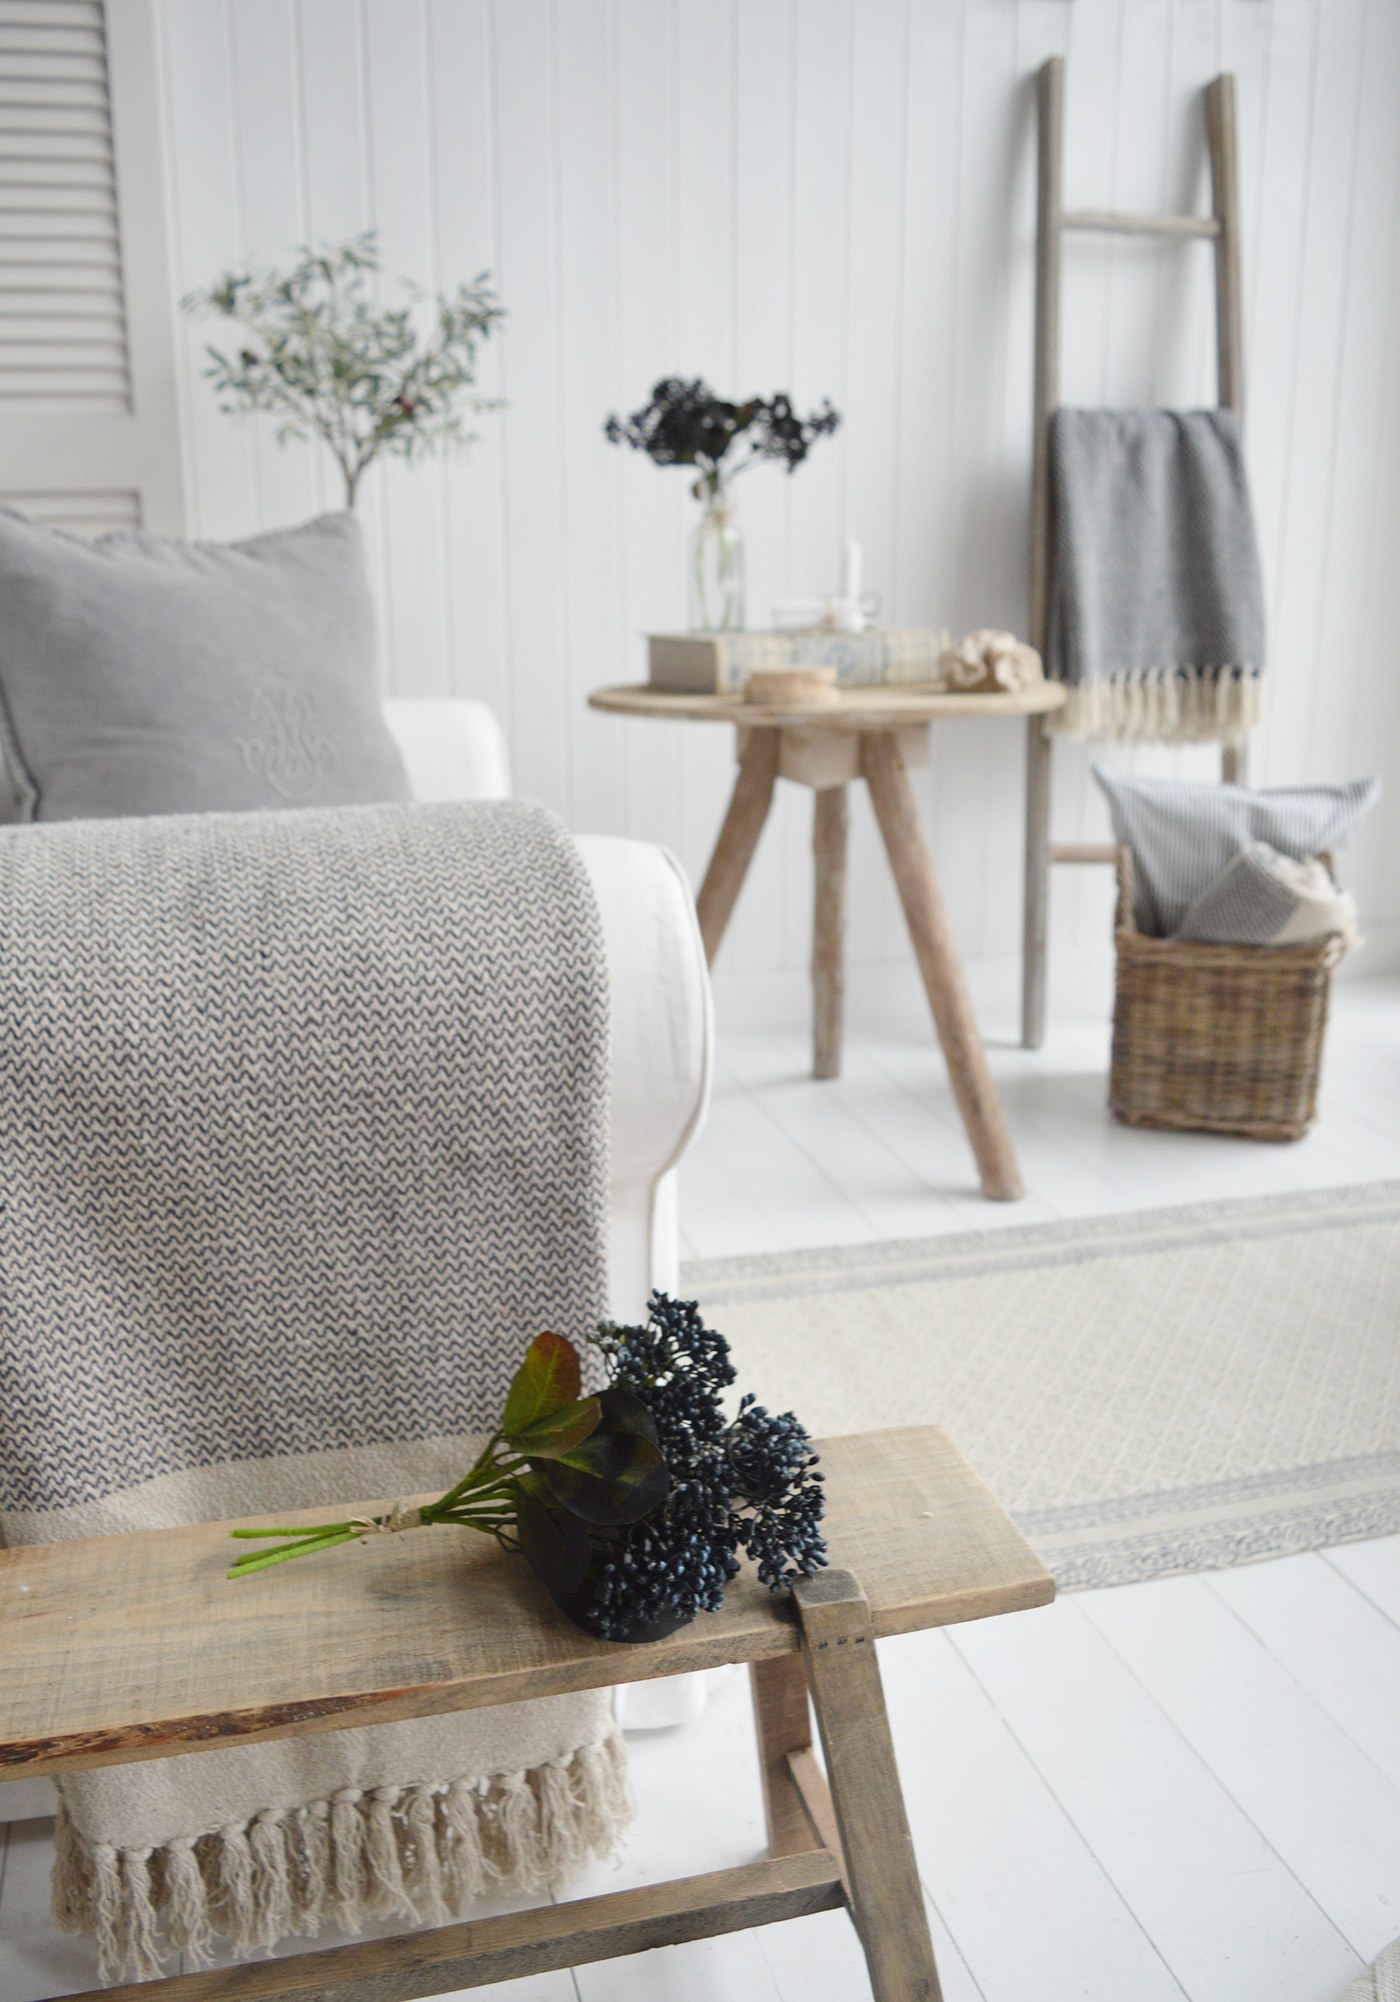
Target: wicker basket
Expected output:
[1219,1038]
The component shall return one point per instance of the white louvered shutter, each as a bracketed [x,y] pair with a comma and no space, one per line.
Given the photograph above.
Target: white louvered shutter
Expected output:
[88,417]
[62,309]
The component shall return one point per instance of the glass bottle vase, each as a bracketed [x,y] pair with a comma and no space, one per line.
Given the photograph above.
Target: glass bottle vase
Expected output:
[716,571]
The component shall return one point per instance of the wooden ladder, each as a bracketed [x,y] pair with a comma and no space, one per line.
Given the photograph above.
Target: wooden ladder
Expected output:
[1221,227]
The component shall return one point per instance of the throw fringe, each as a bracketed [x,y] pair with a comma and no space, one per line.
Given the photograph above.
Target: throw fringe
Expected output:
[424,1852]
[1172,706]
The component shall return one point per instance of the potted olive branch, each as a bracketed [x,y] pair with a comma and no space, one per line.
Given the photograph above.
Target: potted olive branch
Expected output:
[631,1505]
[321,356]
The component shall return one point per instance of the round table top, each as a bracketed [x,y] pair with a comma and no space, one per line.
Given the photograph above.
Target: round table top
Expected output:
[881,708]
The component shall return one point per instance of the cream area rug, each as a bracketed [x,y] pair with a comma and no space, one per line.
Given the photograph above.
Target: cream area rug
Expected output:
[1176,1390]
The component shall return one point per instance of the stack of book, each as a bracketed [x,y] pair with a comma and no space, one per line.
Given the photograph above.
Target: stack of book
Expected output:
[721,663]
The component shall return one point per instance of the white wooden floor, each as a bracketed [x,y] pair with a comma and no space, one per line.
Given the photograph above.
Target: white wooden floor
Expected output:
[1185,1789]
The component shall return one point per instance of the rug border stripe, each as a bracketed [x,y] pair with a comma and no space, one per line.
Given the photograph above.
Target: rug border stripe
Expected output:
[775,1275]
[1129,1539]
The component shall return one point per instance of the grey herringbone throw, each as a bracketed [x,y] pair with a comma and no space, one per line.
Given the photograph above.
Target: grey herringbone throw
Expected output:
[303,1137]
[1156,615]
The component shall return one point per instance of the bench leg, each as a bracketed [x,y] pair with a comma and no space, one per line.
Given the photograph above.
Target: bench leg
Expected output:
[887,1900]
[784,1731]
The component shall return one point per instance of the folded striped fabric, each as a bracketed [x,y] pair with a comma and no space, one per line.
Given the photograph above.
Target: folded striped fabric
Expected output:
[1265,898]
[1185,833]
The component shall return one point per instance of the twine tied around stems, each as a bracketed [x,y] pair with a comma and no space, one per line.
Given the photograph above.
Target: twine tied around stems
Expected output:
[400,1516]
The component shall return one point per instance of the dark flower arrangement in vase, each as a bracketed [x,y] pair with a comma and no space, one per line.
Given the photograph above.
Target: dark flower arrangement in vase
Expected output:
[686,424]
[633,1505]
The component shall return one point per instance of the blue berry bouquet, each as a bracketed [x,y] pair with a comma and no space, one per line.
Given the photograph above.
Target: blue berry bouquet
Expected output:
[686,424]
[633,1505]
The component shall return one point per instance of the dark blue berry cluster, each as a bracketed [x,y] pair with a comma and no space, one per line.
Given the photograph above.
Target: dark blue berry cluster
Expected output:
[749,1485]
[686,424]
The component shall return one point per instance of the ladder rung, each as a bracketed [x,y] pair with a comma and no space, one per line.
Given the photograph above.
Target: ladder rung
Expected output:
[1140,225]
[1072,852]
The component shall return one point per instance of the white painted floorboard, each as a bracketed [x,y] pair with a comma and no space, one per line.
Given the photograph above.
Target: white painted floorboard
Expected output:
[1188,1789]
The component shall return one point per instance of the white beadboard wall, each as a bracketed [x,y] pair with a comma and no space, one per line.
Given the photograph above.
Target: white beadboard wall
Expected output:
[834,197]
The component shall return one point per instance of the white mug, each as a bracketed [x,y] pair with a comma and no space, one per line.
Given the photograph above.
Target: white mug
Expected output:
[797,615]
[851,615]
[835,614]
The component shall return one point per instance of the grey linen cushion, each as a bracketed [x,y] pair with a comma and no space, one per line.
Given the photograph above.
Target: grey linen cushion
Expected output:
[141,674]
[1185,833]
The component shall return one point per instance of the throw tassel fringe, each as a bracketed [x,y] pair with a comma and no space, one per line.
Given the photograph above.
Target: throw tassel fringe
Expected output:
[424,1852]
[1169,707]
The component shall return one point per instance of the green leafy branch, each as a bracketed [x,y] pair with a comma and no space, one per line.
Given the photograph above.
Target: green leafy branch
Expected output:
[322,358]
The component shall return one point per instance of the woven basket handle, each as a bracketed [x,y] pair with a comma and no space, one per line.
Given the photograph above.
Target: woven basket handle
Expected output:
[1124,919]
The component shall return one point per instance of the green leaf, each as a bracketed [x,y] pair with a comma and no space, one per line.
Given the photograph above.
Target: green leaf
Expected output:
[614,1477]
[624,1411]
[560,1430]
[545,1382]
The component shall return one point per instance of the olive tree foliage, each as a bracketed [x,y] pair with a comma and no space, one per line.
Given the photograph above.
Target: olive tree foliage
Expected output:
[325,358]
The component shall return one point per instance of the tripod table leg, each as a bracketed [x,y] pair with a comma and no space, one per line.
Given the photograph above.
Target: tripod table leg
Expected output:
[941,969]
[887,1899]
[828,925]
[738,837]
[1037,889]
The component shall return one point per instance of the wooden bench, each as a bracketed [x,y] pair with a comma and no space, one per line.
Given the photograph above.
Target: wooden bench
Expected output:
[126,1648]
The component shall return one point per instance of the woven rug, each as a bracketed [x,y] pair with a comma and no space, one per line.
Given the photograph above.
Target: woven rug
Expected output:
[1176,1390]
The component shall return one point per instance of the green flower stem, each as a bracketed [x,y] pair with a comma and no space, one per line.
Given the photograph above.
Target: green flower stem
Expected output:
[259,1560]
[483,1500]
[477,1478]
[317,1529]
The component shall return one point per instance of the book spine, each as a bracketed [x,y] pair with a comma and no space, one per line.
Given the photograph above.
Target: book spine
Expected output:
[721,663]
[876,658]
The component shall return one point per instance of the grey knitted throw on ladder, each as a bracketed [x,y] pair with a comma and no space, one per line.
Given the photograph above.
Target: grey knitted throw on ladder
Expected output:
[303,1139]
[1156,612]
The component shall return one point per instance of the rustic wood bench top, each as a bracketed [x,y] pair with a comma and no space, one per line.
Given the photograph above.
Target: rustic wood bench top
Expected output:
[123,1648]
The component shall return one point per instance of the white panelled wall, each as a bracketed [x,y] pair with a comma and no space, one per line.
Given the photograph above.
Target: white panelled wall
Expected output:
[833,197]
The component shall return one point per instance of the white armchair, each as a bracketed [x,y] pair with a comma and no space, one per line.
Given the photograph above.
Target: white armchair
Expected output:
[662,1025]
[662,1045]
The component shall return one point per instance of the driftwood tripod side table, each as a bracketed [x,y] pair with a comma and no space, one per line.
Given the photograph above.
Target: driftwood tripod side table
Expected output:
[125,1648]
[872,734]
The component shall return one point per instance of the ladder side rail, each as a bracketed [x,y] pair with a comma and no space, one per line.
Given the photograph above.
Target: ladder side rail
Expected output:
[1050,124]
[1050,97]
[1229,316]
[1224,181]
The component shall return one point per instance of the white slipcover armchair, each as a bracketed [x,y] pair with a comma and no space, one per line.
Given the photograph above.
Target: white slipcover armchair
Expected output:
[662,1046]
[662,1027]
[662,1040]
